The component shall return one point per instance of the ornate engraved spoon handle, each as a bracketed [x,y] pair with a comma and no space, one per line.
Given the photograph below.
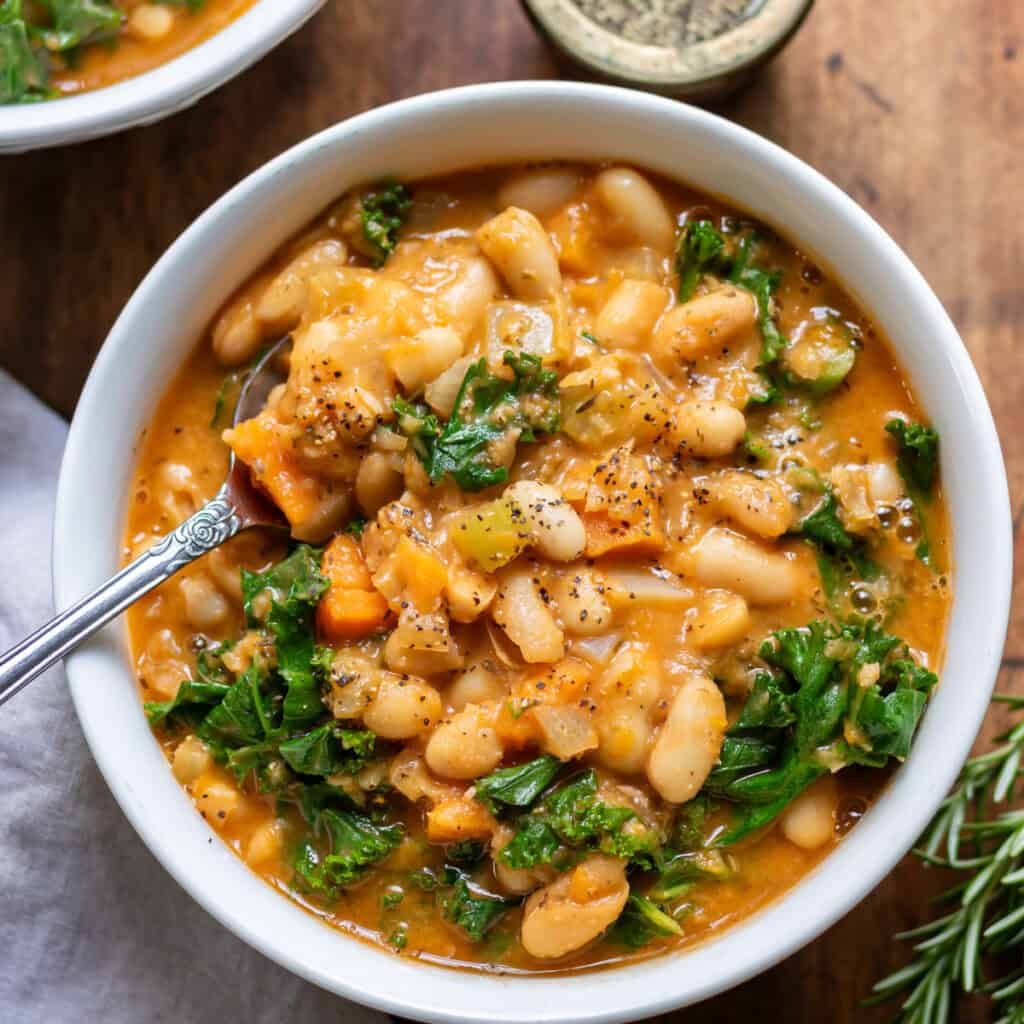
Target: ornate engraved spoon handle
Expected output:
[213,524]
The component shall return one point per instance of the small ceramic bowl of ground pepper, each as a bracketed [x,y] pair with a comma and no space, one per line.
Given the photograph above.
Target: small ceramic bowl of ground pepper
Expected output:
[692,49]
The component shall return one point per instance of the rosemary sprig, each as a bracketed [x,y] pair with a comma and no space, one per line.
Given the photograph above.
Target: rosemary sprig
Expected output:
[986,907]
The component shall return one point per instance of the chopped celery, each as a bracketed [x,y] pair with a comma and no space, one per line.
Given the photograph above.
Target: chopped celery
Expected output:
[492,534]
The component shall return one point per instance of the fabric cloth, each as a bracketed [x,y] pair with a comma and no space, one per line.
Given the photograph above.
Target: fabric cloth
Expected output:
[91,927]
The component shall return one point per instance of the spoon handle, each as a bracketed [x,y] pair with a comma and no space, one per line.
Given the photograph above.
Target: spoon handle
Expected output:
[208,528]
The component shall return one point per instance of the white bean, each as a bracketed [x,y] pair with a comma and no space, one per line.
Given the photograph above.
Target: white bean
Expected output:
[465,746]
[579,595]
[575,909]
[526,619]
[205,606]
[282,304]
[402,707]
[810,820]
[636,207]
[629,315]
[705,324]
[555,528]
[151,21]
[236,334]
[759,506]
[216,800]
[689,742]
[726,560]
[542,191]
[191,759]
[477,685]
[265,843]
[709,430]
[519,247]
[462,303]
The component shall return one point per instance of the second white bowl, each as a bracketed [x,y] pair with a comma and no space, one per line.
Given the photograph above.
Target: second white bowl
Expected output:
[155,94]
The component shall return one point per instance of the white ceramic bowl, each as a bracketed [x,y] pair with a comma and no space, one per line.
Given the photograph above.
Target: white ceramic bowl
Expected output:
[464,128]
[158,93]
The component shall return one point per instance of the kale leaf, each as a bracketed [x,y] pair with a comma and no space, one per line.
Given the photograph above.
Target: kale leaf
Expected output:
[191,694]
[474,912]
[641,921]
[486,408]
[918,464]
[519,785]
[329,749]
[382,213]
[762,284]
[837,695]
[698,253]
[24,71]
[296,586]
[355,842]
[918,458]
[572,818]
[842,557]
[77,22]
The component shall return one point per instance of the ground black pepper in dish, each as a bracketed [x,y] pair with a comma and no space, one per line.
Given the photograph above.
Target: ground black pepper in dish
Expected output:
[673,23]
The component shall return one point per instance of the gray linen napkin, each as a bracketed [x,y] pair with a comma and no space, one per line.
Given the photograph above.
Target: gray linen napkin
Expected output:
[91,927]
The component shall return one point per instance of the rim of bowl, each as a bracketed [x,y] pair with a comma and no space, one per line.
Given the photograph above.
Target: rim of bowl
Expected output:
[87,539]
[159,92]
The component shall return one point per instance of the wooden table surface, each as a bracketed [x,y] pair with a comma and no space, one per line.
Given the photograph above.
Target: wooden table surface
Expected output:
[915,109]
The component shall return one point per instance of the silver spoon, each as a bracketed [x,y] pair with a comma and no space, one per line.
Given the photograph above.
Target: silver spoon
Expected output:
[236,506]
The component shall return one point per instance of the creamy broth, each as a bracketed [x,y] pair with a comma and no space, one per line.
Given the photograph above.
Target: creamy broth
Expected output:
[588,605]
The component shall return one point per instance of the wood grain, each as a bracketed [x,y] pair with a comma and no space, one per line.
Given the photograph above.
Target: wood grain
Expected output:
[914,109]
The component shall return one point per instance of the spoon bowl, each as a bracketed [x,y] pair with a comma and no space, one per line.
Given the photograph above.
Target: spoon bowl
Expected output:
[237,506]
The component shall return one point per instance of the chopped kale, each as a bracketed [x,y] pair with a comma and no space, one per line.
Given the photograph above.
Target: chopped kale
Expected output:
[355,842]
[837,695]
[329,749]
[842,556]
[762,284]
[469,852]
[24,70]
[918,458]
[641,921]
[468,907]
[191,694]
[698,253]
[571,819]
[74,23]
[382,213]
[517,786]
[918,464]
[295,585]
[486,408]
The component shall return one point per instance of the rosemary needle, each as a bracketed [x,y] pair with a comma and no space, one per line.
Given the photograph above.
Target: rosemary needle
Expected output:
[986,907]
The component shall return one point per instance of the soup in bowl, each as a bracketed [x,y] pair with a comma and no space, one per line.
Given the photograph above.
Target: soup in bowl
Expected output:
[620,570]
[78,69]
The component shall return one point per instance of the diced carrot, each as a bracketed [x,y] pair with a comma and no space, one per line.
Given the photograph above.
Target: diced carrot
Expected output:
[462,818]
[350,614]
[343,564]
[259,445]
[425,575]
[606,535]
[351,608]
